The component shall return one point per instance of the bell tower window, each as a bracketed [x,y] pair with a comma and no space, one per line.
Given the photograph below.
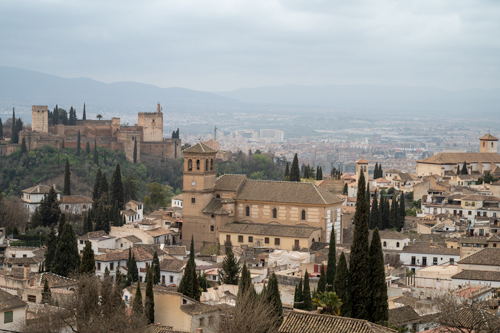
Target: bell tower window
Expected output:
[190,165]
[206,165]
[247,212]
[212,164]
[275,213]
[197,164]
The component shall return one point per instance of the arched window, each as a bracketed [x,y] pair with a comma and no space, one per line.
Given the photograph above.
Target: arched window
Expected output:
[385,244]
[397,244]
[206,165]
[275,213]
[218,196]
[473,204]
[466,204]
[190,165]
[303,215]
[212,164]
[197,164]
[247,213]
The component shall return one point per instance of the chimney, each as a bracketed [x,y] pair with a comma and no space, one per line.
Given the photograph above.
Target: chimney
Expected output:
[26,271]
[199,330]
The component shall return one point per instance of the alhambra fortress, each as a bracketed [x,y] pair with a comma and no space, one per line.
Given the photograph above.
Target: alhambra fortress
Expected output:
[147,134]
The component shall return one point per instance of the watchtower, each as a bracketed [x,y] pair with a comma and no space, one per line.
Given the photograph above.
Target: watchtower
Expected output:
[362,165]
[488,144]
[40,118]
[152,125]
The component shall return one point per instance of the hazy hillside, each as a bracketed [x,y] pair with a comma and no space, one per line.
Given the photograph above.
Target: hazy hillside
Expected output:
[424,99]
[19,87]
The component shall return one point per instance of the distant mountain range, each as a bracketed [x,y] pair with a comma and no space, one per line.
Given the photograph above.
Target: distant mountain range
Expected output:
[25,88]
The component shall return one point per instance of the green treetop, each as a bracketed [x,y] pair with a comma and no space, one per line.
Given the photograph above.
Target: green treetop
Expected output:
[378,304]
[149,304]
[137,306]
[342,287]
[66,259]
[88,262]
[295,171]
[67,179]
[306,294]
[230,270]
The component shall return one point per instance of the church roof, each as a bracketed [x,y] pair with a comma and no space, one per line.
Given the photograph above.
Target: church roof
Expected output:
[200,147]
[229,182]
[488,137]
[362,161]
[457,158]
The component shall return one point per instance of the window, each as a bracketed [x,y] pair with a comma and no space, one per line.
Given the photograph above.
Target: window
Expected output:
[81,241]
[397,244]
[240,239]
[452,261]
[112,266]
[121,245]
[193,200]
[202,321]
[424,261]
[163,279]
[276,241]
[212,164]
[266,240]
[184,301]
[297,244]
[218,196]
[275,213]
[212,228]
[385,244]
[303,215]
[466,204]
[494,244]
[8,317]
[206,165]
[32,298]
[470,212]
[197,164]
[190,165]
[435,261]
[171,279]
[98,266]
[250,239]
[247,212]
[25,256]
[484,144]
[228,238]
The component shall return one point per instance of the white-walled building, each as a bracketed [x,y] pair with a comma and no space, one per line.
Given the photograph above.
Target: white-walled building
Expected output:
[33,196]
[418,255]
[12,311]
[171,271]
[393,240]
[134,211]
[480,267]
[177,201]
[75,204]
[99,240]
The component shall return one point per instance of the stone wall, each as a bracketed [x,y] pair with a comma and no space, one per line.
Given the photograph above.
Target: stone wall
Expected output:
[289,280]
[40,118]
[152,126]
[168,148]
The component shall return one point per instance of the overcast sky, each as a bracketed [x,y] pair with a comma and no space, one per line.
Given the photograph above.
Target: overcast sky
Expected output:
[217,45]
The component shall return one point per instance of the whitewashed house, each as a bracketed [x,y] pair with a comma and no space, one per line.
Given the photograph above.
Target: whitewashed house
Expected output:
[171,270]
[417,255]
[12,311]
[99,239]
[134,211]
[33,196]
[75,204]
[177,201]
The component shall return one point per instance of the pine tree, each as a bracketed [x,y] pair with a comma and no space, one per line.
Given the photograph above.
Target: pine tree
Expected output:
[84,113]
[156,267]
[359,258]
[78,143]
[274,297]
[117,194]
[47,294]
[87,148]
[295,171]
[51,243]
[98,176]
[230,270]
[67,179]
[379,308]
[96,154]
[88,262]
[306,294]
[137,306]
[149,304]
[464,169]
[66,259]
[287,172]
[322,280]
[374,216]
[344,192]
[331,267]
[342,286]
[135,151]
[23,146]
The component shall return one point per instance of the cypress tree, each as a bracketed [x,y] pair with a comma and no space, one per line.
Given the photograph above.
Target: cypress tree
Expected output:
[84,113]
[287,171]
[306,294]
[51,243]
[345,189]
[66,259]
[380,171]
[149,305]
[295,171]
[128,281]
[60,227]
[295,296]
[47,294]
[134,272]
[156,267]
[317,172]
[23,146]
[331,267]
[245,284]
[96,155]
[67,179]
[321,281]
[98,176]
[464,169]
[85,226]
[393,220]
[274,297]
[402,211]
[230,269]
[78,142]
[375,171]
[106,294]
[62,146]
[135,151]
[359,258]
[14,127]
[186,284]
[90,224]
[137,306]
[368,199]
[117,194]
[379,306]
[1,129]
[104,151]
[374,216]
[55,116]
[87,148]
[300,296]
[342,286]
[88,262]
[103,186]
[458,169]
[117,290]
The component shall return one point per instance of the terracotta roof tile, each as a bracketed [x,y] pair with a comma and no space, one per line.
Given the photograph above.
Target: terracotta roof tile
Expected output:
[403,315]
[430,248]
[200,147]
[477,275]
[487,256]
[456,158]
[39,189]
[172,265]
[229,182]
[488,137]
[198,308]
[8,301]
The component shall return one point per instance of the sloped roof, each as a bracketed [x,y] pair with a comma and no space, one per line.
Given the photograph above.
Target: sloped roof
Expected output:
[214,206]
[477,319]
[8,301]
[158,328]
[488,137]
[198,308]
[403,315]
[175,250]
[229,182]
[392,234]
[54,280]
[172,264]
[362,161]
[94,235]
[487,256]
[477,275]
[456,158]
[268,229]
[133,238]
[157,232]
[286,192]
[430,248]
[39,189]
[198,148]
[303,322]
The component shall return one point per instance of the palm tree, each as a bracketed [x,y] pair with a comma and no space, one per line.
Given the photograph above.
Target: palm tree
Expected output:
[99,116]
[328,303]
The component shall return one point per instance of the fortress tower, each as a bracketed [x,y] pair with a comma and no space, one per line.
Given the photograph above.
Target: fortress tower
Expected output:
[488,144]
[40,118]
[152,125]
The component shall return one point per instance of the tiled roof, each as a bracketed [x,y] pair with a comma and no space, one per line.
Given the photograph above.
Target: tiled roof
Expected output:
[75,199]
[362,161]
[94,234]
[215,207]
[478,197]
[303,322]
[392,234]
[473,240]
[172,265]
[286,192]
[54,280]
[158,232]
[198,308]
[477,275]
[229,182]
[133,239]
[129,212]
[487,256]
[430,248]
[488,137]
[39,189]
[268,229]
[407,300]
[157,328]
[456,158]
[175,250]
[475,319]
[403,315]
[200,147]
[8,301]
[142,252]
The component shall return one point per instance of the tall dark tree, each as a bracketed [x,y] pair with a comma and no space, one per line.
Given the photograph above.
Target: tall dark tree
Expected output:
[15,137]
[96,154]
[331,267]
[306,294]
[374,215]
[49,208]
[230,269]
[23,146]
[156,268]
[135,151]
[464,169]
[66,259]
[60,226]
[393,215]
[458,169]
[344,191]
[78,143]
[274,297]
[103,185]
[300,297]
[55,116]
[67,179]
[322,280]
[128,280]
[149,304]
[117,194]
[342,286]
[87,148]
[359,257]
[245,284]
[287,172]
[295,171]
[84,113]
[368,199]
[134,271]
[95,192]
[1,129]
[378,305]
[47,294]
[51,243]
[137,306]
[402,210]
[88,262]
